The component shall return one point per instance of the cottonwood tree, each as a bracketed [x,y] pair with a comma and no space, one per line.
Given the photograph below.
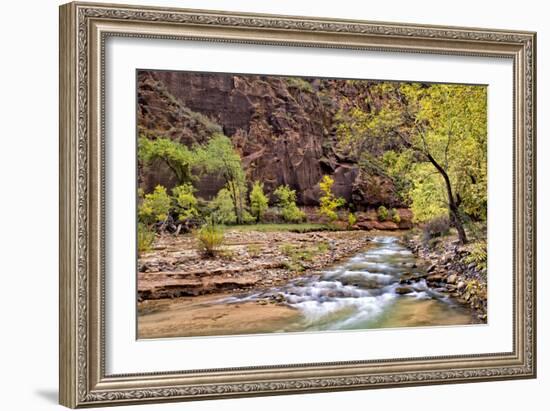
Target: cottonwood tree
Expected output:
[258,201]
[328,201]
[442,125]
[179,158]
[216,157]
[219,157]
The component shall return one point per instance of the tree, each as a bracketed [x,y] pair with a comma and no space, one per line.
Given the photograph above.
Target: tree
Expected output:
[442,125]
[222,209]
[258,201]
[179,159]
[186,202]
[155,206]
[220,157]
[329,202]
[286,200]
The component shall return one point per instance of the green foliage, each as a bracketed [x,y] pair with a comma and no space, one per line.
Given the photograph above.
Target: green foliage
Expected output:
[435,141]
[323,247]
[293,228]
[258,201]
[478,255]
[155,206]
[398,165]
[210,238]
[395,217]
[220,157]
[176,156]
[286,200]
[216,157]
[427,194]
[186,202]
[300,84]
[222,208]
[254,250]
[145,238]
[199,118]
[287,249]
[352,219]
[294,266]
[227,253]
[329,202]
[299,254]
[382,213]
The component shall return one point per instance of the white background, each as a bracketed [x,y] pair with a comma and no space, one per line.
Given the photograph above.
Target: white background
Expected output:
[126,355]
[28,201]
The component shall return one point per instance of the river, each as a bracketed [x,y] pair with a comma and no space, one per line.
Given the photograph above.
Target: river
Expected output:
[362,292]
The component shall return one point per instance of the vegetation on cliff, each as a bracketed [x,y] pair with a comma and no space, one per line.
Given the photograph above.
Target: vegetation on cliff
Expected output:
[267,146]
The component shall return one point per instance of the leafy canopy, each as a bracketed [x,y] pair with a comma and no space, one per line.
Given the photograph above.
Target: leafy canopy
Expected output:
[416,127]
[329,202]
[222,209]
[258,201]
[155,206]
[179,159]
[186,204]
[219,157]
[286,200]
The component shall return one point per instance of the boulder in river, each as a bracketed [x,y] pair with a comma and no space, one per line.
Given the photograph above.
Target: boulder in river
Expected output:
[403,290]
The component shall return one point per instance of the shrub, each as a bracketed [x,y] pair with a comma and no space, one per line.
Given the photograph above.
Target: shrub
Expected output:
[155,206]
[258,201]
[300,84]
[328,201]
[226,253]
[395,217]
[298,254]
[145,238]
[352,219]
[222,208]
[478,255]
[382,213]
[254,250]
[323,247]
[436,227]
[210,238]
[186,202]
[287,249]
[287,201]
[293,214]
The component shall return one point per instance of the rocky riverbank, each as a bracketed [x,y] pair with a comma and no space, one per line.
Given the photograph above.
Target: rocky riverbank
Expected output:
[449,271]
[249,259]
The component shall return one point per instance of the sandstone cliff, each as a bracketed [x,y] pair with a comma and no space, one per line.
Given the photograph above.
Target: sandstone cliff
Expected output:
[284,128]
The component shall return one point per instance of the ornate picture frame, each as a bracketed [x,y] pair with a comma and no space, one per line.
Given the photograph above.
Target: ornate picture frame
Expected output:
[84,29]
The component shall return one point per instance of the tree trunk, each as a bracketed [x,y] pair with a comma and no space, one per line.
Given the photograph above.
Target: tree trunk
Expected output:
[454,212]
[456,220]
[233,193]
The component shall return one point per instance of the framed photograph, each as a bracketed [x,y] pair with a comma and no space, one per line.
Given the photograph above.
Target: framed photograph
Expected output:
[260,205]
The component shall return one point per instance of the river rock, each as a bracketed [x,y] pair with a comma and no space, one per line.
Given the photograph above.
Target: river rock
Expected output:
[403,290]
[452,279]
[408,278]
[434,278]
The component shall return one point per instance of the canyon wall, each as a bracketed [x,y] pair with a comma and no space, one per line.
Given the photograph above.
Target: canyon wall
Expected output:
[283,128]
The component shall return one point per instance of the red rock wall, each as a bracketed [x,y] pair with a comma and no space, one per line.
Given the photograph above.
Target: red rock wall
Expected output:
[285,134]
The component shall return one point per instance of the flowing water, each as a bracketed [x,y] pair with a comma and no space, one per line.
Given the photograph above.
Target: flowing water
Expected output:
[361,293]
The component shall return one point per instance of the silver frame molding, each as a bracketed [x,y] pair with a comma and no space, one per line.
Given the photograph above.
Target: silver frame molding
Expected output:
[84,27]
